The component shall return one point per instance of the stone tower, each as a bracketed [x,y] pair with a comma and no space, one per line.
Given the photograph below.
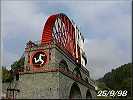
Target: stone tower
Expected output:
[54,67]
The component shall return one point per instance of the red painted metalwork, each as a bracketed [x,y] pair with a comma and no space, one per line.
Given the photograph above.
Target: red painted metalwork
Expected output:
[47,31]
[59,28]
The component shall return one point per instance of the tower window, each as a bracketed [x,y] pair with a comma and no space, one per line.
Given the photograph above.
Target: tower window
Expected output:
[63,64]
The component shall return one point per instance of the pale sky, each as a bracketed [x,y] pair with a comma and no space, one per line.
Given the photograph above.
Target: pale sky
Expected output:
[106,26]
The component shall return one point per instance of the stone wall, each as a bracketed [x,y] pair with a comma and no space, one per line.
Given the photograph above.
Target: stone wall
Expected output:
[65,84]
[54,84]
[39,86]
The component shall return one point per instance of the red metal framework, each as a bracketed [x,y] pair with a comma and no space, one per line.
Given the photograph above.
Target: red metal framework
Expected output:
[59,28]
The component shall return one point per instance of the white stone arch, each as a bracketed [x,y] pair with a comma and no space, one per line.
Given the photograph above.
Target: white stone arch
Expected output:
[75,92]
[88,94]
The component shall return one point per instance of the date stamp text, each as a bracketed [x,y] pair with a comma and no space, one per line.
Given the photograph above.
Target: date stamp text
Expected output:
[112,93]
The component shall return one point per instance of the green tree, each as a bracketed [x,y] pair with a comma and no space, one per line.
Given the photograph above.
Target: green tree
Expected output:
[15,65]
[6,75]
[18,64]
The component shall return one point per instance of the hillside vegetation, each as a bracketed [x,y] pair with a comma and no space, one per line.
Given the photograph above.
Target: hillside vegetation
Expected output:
[118,79]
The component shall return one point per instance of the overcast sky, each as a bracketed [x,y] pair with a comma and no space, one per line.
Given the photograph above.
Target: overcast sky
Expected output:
[106,26]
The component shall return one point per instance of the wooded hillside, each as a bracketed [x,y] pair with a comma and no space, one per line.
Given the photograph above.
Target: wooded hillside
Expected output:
[118,79]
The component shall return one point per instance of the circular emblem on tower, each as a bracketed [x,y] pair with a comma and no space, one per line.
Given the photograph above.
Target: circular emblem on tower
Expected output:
[39,59]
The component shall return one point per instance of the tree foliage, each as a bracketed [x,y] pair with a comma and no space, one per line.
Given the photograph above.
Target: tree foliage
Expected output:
[6,75]
[18,64]
[119,78]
